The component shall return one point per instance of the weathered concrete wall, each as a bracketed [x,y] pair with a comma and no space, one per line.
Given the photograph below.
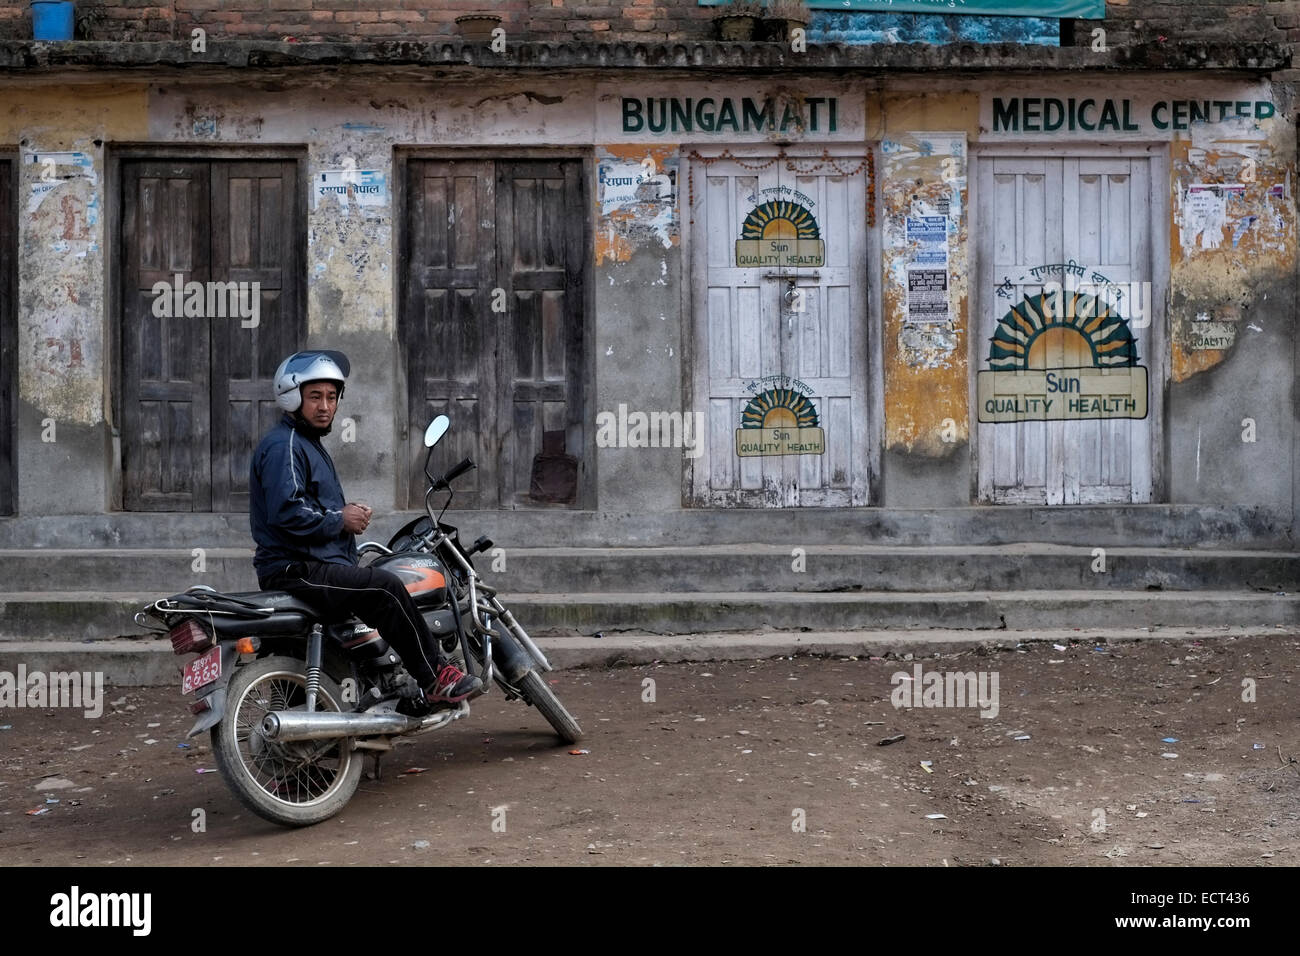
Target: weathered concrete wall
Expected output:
[638,276]
[63,439]
[1231,261]
[924,145]
[351,266]
[1241,276]
[64,366]
[1232,310]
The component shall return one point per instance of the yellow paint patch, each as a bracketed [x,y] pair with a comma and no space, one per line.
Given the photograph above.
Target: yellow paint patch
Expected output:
[60,116]
[1254,247]
[926,367]
[612,246]
[636,152]
[938,111]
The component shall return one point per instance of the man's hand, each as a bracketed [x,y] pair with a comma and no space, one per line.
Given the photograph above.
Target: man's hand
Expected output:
[356,518]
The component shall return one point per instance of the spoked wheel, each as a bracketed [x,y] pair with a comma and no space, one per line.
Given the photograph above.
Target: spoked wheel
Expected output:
[293,783]
[543,698]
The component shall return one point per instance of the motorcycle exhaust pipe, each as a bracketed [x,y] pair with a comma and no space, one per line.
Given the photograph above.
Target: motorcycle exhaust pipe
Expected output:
[286,726]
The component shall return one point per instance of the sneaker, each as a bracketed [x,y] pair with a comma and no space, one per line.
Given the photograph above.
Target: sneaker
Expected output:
[452,686]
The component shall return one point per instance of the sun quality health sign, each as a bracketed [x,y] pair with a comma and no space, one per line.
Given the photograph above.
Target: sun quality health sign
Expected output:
[1078,9]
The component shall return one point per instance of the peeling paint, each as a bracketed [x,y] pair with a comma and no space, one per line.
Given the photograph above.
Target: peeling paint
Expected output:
[1233,232]
[649,218]
[60,272]
[349,250]
[60,300]
[925,364]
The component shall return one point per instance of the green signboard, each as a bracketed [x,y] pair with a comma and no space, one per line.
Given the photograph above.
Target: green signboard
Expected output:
[1079,9]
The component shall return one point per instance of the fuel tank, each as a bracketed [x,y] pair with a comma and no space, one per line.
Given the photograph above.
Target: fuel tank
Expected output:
[424,576]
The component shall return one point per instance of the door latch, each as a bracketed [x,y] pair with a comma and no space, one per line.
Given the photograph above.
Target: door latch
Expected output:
[794,300]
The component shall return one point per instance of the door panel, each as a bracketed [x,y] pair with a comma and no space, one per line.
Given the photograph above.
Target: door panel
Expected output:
[8,336]
[540,231]
[493,318]
[746,333]
[744,337]
[196,389]
[166,381]
[1088,218]
[447,321]
[253,240]
[818,347]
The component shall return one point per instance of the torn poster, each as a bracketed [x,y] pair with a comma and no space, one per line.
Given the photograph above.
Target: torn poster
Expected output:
[927,270]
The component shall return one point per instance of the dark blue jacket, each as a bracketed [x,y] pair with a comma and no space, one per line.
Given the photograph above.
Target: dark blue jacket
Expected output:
[295,502]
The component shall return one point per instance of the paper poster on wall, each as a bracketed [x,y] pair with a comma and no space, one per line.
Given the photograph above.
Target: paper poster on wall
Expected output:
[1203,215]
[927,270]
[621,184]
[1208,335]
[781,231]
[365,187]
[928,236]
[927,295]
[55,169]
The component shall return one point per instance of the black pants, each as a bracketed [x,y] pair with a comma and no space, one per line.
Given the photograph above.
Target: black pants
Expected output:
[376,596]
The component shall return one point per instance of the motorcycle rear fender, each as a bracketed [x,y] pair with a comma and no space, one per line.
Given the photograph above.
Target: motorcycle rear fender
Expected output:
[216,691]
[212,716]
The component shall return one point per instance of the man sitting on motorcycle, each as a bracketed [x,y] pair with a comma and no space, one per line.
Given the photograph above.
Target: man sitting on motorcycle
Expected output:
[305,531]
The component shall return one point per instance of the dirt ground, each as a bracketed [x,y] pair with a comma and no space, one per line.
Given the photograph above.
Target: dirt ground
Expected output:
[726,762]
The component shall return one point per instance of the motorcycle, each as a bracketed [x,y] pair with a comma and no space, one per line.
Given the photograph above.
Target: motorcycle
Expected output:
[294,702]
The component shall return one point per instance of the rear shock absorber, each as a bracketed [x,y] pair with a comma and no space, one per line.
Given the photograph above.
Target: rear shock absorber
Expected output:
[313,667]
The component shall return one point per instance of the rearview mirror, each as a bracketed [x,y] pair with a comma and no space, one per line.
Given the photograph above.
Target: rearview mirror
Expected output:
[437,428]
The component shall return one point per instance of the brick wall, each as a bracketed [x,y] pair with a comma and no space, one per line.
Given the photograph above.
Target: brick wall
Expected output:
[1224,20]
[601,20]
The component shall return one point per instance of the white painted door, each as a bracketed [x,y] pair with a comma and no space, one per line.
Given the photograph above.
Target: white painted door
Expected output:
[1067,327]
[779,316]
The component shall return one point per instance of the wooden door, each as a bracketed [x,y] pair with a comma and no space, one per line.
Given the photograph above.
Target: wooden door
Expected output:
[447,321]
[778,268]
[493,318]
[254,240]
[541,226]
[8,336]
[1069,248]
[166,362]
[196,389]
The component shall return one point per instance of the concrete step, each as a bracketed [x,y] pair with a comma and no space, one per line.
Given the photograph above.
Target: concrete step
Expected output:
[96,615]
[748,567]
[1187,526]
[126,662]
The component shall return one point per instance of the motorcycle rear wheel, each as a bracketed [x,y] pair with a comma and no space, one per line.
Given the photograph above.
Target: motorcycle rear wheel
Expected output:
[548,705]
[293,784]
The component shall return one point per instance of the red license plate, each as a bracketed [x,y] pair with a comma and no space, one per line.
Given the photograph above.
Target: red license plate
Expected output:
[201,671]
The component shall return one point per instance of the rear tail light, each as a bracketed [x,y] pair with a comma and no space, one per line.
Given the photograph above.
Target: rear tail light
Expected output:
[187,637]
[200,706]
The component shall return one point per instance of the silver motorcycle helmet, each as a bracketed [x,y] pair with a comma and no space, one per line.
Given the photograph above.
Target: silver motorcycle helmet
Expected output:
[300,368]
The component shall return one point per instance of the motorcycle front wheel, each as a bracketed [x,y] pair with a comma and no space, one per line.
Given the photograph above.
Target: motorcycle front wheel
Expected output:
[296,783]
[548,705]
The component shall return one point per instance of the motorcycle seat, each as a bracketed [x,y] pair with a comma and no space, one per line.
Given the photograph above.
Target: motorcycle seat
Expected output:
[287,622]
[281,601]
[264,613]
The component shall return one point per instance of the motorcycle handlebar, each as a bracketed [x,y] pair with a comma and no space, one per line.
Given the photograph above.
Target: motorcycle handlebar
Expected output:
[455,473]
